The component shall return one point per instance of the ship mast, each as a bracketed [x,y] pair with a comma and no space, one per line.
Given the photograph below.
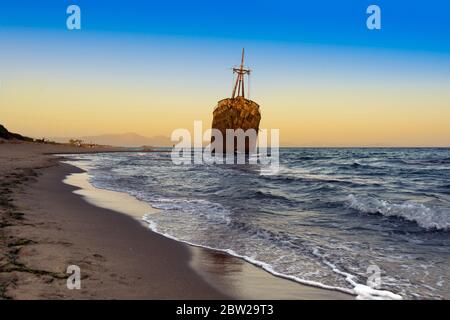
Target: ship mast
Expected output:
[239,86]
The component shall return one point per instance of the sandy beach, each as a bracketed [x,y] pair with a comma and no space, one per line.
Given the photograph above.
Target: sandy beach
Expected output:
[47,225]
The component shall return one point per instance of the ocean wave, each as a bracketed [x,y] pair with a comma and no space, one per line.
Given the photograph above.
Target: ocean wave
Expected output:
[264,195]
[424,216]
[297,222]
[360,291]
[198,207]
[310,178]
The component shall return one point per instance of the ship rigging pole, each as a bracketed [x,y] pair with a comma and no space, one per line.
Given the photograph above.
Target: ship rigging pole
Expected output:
[240,84]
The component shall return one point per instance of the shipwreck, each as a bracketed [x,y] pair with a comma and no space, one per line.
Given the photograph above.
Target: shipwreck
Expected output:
[236,113]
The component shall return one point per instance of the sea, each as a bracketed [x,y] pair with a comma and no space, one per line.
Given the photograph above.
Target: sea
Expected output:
[372,222]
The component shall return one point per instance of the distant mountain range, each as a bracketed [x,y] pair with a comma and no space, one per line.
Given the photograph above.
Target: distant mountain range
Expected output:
[123,140]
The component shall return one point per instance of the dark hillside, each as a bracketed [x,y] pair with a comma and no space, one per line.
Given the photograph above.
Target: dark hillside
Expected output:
[5,134]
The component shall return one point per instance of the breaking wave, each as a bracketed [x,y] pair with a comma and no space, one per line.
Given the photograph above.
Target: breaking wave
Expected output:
[425,217]
[323,218]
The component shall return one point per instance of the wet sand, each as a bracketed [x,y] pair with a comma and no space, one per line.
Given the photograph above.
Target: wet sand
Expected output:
[232,276]
[47,225]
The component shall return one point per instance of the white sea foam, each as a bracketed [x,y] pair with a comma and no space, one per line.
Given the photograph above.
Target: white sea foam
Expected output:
[367,293]
[198,207]
[424,216]
[362,292]
[205,222]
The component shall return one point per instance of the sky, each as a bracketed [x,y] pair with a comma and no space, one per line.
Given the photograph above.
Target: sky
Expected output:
[319,74]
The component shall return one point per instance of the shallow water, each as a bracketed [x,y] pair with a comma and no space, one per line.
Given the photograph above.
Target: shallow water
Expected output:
[328,217]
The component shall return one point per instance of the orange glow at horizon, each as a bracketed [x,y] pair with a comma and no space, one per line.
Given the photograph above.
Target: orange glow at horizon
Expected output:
[315,96]
[308,117]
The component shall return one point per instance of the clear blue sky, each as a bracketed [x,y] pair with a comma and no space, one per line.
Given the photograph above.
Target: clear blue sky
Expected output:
[407,25]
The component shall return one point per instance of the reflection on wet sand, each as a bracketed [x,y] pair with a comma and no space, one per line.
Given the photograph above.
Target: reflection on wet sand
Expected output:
[238,278]
[230,275]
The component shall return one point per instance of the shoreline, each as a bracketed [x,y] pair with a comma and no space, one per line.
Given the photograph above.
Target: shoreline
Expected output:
[251,282]
[118,257]
[45,226]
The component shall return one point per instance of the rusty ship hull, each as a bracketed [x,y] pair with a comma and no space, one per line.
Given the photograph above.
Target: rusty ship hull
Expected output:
[236,113]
